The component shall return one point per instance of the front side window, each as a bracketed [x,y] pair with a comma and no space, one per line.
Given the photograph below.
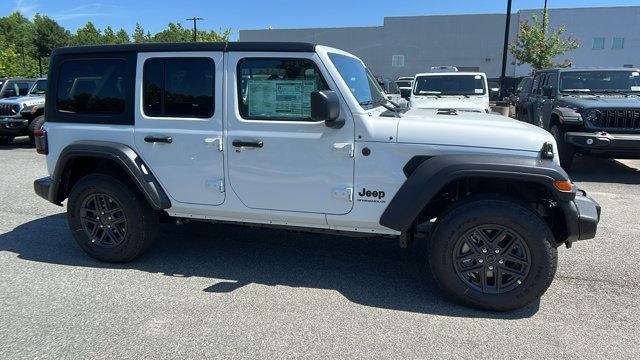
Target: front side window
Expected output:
[450,85]
[39,88]
[600,81]
[360,81]
[92,86]
[277,88]
[179,87]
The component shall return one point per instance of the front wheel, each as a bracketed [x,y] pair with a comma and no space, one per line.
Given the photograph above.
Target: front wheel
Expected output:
[110,219]
[492,254]
[566,152]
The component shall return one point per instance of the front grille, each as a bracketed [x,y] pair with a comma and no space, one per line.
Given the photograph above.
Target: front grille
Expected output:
[619,119]
[8,109]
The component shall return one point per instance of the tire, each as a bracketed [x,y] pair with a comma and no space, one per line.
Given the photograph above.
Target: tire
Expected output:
[98,194]
[35,124]
[566,152]
[529,237]
[6,139]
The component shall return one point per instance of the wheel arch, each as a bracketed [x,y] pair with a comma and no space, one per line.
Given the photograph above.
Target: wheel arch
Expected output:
[434,183]
[82,158]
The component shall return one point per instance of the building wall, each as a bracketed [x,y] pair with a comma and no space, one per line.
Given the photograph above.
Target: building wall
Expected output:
[469,40]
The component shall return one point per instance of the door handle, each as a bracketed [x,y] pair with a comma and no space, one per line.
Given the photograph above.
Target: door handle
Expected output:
[247,143]
[158,139]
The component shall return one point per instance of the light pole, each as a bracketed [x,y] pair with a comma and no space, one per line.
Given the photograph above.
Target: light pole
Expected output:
[195,27]
[505,49]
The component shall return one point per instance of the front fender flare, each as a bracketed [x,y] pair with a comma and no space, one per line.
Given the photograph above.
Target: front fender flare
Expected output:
[425,180]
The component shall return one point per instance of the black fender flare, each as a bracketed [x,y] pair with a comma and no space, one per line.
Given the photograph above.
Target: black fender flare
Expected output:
[426,176]
[566,115]
[124,156]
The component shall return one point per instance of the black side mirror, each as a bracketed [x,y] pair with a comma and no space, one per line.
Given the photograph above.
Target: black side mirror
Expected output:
[325,106]
[547,91]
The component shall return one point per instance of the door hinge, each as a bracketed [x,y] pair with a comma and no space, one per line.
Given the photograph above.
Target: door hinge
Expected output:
[215,184]
[212,141]
[344,193]
[347,147]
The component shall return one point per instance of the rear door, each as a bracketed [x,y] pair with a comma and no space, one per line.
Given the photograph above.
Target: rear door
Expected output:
[178,123]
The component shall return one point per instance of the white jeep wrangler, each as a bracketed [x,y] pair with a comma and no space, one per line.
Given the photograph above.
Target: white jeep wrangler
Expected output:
[300,136]
[466,91]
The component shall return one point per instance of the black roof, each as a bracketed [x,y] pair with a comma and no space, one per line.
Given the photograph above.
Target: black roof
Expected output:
[190,46]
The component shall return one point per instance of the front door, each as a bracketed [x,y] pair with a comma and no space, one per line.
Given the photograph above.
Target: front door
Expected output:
[278,158]
[178,130]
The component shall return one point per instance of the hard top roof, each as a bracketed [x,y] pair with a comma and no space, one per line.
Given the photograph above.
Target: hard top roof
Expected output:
[190,46]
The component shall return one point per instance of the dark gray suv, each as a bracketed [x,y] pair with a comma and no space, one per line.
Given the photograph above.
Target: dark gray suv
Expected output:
[589,111]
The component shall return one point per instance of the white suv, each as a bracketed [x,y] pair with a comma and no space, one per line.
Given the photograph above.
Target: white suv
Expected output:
[300,136]
[453,90]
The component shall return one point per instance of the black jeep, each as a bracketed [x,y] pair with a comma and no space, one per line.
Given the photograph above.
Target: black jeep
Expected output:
[589,111]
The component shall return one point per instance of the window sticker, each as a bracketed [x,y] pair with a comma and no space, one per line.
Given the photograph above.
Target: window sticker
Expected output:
[635,73]
[478,77]
[280,98]
[478,91]
[635,88]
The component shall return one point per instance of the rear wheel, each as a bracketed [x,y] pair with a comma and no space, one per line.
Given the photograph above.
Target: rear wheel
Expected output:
[109,219]
[6,139]
[493,254]
[566,152]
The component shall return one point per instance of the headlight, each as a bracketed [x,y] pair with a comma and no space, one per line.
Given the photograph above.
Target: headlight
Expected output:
[15,109]
[593,115]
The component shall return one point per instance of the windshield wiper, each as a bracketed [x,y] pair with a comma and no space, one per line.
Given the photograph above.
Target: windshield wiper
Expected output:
[610,91]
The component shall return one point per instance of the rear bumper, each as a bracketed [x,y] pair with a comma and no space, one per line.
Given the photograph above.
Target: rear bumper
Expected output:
[627,145]
[582,216]
[43,188]
[13,126]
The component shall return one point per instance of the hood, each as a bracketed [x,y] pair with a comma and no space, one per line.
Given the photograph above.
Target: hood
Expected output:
[29,100]
[449,102]
[425,126]
[605,101]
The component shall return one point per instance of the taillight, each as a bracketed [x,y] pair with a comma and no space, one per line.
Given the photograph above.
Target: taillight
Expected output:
[42,145]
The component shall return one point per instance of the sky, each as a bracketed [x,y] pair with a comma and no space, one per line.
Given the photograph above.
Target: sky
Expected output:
[153,15]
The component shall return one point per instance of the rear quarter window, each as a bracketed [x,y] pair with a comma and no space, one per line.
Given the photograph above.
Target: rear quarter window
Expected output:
[92,87]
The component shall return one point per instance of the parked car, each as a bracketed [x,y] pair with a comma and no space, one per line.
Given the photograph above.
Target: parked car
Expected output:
[298,136]
[456,90]
[12,87]
[404,85]
[589,111]
[521,99]
[23,115]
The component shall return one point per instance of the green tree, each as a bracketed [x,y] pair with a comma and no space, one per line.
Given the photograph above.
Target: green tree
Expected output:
[47,35]
[539,46]
[10,64]
[87,35]
[15,29]
[109,36]
[138,34]
[214,36]
[122,37]
[174,32]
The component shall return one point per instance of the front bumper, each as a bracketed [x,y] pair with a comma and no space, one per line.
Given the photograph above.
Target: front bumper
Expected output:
[626,145]
[43,188]
[13,126]
[582,216]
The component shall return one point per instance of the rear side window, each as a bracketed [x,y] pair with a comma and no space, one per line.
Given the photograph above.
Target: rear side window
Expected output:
[277,89]
[179,87]
[95,87]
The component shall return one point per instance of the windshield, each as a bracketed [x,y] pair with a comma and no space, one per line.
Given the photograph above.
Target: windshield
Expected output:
[450,85]
[360,81]
[600,81]
[39,87]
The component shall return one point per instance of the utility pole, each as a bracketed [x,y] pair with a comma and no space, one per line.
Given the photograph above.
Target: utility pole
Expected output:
[195,27]
[505,49]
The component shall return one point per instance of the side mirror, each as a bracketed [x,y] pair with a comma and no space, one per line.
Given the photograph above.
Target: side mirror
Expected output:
[325,106]
[547,91]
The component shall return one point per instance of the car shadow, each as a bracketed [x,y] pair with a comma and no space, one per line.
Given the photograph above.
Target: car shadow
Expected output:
[592,169]
[368,271]
[21,142]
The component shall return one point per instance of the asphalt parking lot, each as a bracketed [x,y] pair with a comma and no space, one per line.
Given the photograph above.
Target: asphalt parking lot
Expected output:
[221,291]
